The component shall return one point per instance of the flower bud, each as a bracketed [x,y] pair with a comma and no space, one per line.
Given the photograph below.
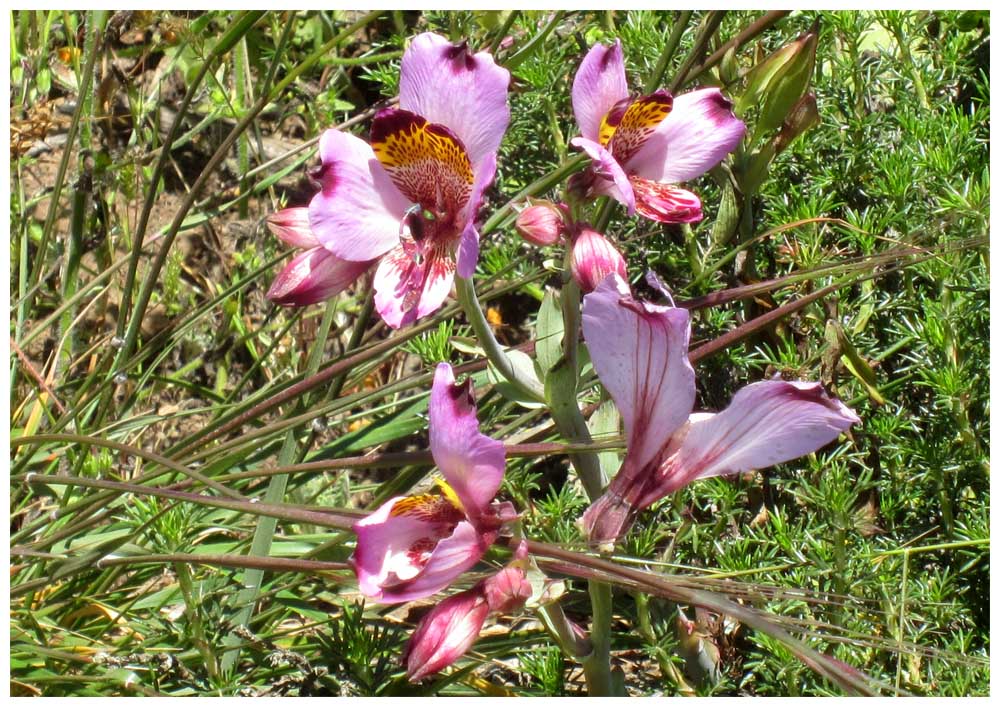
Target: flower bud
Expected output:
[291,225]
[594,258]
[446,633]
[541,223]
[312,276]
[803,116]
[509,589]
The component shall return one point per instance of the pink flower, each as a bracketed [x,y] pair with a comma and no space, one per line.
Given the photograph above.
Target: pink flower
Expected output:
[641,147]
[415,546]
[542,223]
[313,275]
[409,200]
[450,628]
[640,353]
[593,258]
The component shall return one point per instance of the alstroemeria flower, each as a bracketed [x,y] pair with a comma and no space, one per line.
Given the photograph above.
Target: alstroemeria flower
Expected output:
[450,628]
[313,275]
[642,147]
[410,198]
[415,546]
[640,353]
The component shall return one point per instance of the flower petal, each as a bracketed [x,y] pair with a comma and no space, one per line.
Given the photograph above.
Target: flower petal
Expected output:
[609,176]
[699,132]
[664,202]
[593,258]
[291,226]
[396,543]
[454,555]
[624,132]
[467,93]
[358,211]
[471,462]
[598,85]
[412,281]
[767,423]
[640,353]
[313,276]
[468,247]
[427,162]
[445,634]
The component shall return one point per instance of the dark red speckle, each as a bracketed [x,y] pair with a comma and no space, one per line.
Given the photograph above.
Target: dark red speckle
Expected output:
[460,57]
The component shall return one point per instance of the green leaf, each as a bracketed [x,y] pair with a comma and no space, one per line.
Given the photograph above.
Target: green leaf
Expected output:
[525,368]
[549,332]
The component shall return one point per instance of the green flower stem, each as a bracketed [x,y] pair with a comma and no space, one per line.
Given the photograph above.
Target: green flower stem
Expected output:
[653,82]
[494,353]
[264,533]
[204,646]
[597,664]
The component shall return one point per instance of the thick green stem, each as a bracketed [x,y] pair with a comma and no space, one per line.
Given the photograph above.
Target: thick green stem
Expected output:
[597,665]
[494,353]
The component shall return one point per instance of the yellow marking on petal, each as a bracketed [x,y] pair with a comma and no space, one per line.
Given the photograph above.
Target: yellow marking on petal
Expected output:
[415,143]
[415,505]
[449,493]
[629,126]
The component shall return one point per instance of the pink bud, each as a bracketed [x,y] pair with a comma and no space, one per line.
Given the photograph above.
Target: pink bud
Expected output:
[507,590]
[541,223]
[312,276]
[292,227]
[446,633]
[594,258]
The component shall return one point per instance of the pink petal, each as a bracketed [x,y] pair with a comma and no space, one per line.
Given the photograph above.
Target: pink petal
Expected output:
[665,203]
[471,463]
[291,226]
[396,543]
[767,423]
[445,634]
[357,214]
[468,247]
[640,353]
[412,281]
[452,556]
[467,93]
[313,276]
[610,177]
[598,85]
[699,132]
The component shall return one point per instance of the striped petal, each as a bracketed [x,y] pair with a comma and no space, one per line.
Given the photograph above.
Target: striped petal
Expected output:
[664,202]
[412,281]
[766,423]
[639,351]
[608,176]
[625,129]
[313,276]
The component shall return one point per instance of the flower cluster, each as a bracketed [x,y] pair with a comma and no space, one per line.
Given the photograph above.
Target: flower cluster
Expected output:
[405,205]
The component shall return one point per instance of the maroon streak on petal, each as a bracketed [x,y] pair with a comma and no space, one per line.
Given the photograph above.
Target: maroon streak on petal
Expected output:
[767,423]
[664,202]
[639,351]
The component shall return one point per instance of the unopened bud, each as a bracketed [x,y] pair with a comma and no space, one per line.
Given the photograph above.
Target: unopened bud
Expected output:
[446,633]
[292,227]
[541,223]
[594,258]
[801,117]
